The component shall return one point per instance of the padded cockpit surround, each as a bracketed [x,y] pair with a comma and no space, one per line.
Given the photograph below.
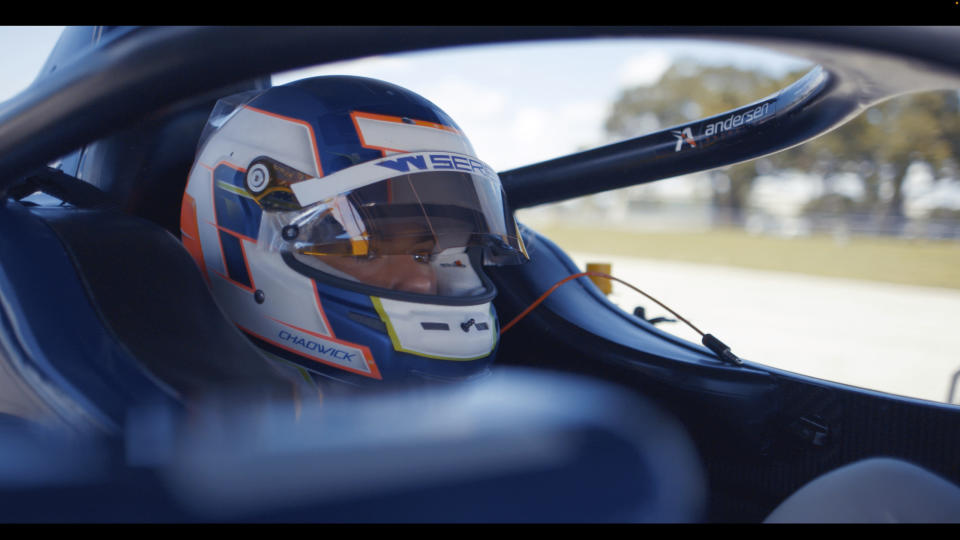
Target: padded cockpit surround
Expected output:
[151,296]
[143,169]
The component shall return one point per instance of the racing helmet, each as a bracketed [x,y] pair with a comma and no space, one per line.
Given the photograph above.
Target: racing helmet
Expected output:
[342,223]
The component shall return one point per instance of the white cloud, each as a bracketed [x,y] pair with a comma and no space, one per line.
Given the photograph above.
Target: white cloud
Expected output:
[507,131]
[25,49]
[521,134]
[382,67]
[466,100]
[643,69]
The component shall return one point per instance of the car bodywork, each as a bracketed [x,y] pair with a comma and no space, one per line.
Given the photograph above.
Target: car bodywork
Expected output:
[617,421]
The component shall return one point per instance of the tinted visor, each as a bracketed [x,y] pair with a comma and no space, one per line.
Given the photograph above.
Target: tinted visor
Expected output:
[382,211]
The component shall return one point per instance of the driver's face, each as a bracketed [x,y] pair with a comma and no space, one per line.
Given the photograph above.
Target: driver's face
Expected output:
[397,266]
[396,272]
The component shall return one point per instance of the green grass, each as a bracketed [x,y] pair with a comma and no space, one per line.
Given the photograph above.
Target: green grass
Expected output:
[932,263]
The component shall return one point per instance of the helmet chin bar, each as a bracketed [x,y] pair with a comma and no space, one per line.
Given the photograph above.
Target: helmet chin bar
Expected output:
[433,331]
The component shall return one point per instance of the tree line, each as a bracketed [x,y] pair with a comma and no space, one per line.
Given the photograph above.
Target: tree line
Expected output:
[878,146]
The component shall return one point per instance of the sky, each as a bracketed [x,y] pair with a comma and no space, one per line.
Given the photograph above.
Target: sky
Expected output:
[518,104]
[23,50]
[521,104]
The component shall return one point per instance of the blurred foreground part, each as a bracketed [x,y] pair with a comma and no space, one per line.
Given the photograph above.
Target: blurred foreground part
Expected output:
[516,446]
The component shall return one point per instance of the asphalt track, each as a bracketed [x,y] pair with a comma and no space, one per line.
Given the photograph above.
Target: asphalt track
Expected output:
[894,338]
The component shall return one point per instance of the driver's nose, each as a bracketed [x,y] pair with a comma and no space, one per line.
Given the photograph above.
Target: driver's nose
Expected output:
[407,274]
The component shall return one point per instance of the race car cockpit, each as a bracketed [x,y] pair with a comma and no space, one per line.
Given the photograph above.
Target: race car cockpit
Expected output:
[114,347]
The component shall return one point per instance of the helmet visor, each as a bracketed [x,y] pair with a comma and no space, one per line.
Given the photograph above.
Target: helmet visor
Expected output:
[418,204]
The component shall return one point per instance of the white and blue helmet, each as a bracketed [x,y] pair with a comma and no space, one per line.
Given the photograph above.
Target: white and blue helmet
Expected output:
[342,224]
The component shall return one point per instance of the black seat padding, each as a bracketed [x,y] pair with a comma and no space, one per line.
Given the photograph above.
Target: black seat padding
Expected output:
[143,169]
[151,295]
[123,234]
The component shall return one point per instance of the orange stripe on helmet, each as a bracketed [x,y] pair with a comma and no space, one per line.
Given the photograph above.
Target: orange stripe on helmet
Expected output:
[233,233]
[190,233]
[373,374]
[313,137]
[231,281]
[397,119]
[323,314]
[228,164]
